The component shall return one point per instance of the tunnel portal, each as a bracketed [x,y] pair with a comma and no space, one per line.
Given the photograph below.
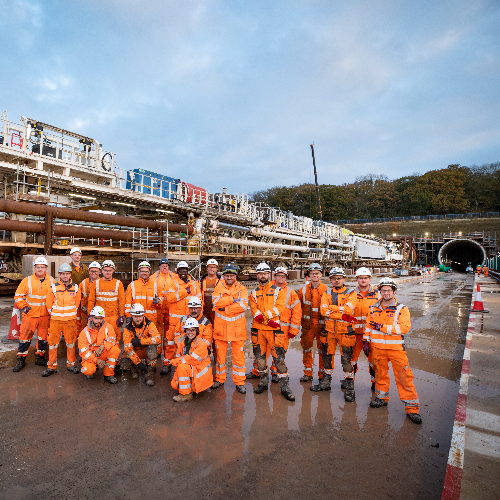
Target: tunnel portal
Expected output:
[460,252]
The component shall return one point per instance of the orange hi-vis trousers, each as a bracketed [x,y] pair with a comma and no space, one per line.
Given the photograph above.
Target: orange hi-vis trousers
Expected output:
[68,329]
[237,347]
[355,355]
[110,356]
[402,374]
[306,341]
[169,342]
[28,327]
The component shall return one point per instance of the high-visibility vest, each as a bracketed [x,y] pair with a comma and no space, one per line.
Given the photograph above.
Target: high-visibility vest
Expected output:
[143,292]
[109,295]
[230,322]
[292,314]
[310,311]
[32,292]
[63,301]
[91,339]
[147,333]
[178,297]
[343,301]
[268,301]
[362,308]
[206,329]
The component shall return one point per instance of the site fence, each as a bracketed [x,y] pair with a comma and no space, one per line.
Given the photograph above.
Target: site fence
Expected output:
[482,215]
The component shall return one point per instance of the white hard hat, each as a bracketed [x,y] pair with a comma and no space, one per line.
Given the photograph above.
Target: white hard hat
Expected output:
[191,323]
[40,261]
[108,263]
[263,268]
[387,282]
[144,263]
[315,267]
[98,311]
[194,302]
[181,264]
[281,269]
[95,265]
[74,249]
[212,262]
[65,268]
[363,271]
[336,271]
[137,309]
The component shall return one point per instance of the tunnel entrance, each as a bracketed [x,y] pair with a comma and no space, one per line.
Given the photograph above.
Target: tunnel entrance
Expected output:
[458,253]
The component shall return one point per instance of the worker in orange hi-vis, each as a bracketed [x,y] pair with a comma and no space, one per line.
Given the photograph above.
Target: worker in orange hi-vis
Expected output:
[163,277]
[30,297]
[485,270]
[63,301]
[207,285]
[386,325]
[98,346]
[108,292]
[205,328]
[478,270]
[85,286]
[312,323]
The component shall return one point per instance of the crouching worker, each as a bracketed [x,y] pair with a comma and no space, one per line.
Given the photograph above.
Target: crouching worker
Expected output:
[142,344]
[192,361]
[98,346]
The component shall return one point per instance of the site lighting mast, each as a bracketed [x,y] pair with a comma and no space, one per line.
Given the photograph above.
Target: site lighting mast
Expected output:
[320,213]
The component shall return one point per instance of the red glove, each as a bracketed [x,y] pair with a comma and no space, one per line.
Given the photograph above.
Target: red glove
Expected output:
[291,335]
[273,324]
[375,326]
[348,318]
[259,318]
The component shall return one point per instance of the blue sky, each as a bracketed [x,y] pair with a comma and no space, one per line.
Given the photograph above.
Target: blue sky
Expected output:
[232,93]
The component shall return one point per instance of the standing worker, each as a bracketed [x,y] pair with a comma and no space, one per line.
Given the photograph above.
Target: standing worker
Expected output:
[79,271]
[63,301]
[312,323]
[30,297]
[109,293]
[163,277]
[267,303]
[207,285]
[230,301]
[337,307]
[387,324]
[485,270]
[85,286]
[478,270]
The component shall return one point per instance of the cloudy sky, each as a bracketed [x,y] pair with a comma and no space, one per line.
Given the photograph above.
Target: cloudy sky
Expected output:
[233,92]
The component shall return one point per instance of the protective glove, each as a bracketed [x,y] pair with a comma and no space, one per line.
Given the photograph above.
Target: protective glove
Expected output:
[142,367]
[128,320]
[291,335]
[375,326]
[259,318]
[136,342]
[120,321]
[101,363]
[366,348]
[99,351]
[156,300]
[188,290]
[26,309]
[273,324]
[348,318]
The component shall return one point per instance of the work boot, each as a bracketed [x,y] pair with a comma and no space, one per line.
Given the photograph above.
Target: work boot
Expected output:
[274,378]
[48,372]
[349,394]
[40,361]
[21,363]
[285,388]
[306,378]
[73,369]
[118,369]
[217,385]
[110,379]
[263,384]
[250,375]
[182,398]
[325,384]
[135,371]
[377,403]
[241,389]
[149,377]
[165,369]
[89,377]
[342,384]
[415,418]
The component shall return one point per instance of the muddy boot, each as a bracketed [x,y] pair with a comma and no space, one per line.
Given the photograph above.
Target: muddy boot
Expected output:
[149,377]
[111,379]
[216,385]
[325,384]
[263,384]
[40,361]
[182,398]
[135,371]
[21,363]
[241,389]
[349,395]
[342,384]
[306,378]
[73,369]
[250,375]
[377,403]
[118,369]
[285,388]
[415,418]
[165,369]
[89,377]
[48,372]
[274,378]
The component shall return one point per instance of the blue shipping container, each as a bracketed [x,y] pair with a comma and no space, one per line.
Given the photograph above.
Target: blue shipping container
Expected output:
[147,182]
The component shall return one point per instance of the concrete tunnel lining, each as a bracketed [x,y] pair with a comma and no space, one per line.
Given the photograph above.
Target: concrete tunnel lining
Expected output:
[460,252]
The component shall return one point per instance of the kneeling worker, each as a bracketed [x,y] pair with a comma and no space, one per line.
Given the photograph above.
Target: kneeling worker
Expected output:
[192,361]
[98,346]
[141,341]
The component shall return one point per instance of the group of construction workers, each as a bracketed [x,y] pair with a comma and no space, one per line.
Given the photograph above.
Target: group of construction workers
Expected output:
[185,320]
[484,269]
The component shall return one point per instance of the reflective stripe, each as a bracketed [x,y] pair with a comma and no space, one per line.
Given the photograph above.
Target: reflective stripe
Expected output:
[183,379]
[386,341]
[205,370]
[170,342]
[411,402]
[296,303]
[225,318]
[195,356]
[308,350]
[314,309]
[185,386]
[381,394]
[54,346]
[172,315]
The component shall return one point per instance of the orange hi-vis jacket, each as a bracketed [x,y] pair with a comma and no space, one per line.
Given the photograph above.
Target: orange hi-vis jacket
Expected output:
[395,321]
[143,292]
[206,329]
[334,303]
[32,292]
[164,285]
[178,297]
[109,295]
[85,287]
[292,314]
[362,308]
[147,334]
[230,323]
[208,291]
[91,339]
[310,299]
[268,301]
[63,301]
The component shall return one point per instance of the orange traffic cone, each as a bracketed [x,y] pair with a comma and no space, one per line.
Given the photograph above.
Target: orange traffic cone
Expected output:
[478,302]
[15,326]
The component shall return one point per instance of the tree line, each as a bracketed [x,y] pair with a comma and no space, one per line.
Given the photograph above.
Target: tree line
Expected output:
[455,189]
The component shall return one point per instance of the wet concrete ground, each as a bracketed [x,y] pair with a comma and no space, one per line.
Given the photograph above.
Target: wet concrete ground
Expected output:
[67,437]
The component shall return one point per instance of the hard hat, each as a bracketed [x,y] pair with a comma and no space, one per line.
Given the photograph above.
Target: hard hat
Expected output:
[94,265]
[212,262]
[191,323]
[65,268]
[40,261]
[194,302]
[315,267]
[164,261]
[98,311]
[387,282]
[230,268]
[181,264]
[137,309]
[144,263]
[363,271]
[108,263]
[281,269]
[263,268]
[337,271]
[74,249]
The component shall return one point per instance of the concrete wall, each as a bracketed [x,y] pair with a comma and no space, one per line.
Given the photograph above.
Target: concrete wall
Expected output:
[56,259]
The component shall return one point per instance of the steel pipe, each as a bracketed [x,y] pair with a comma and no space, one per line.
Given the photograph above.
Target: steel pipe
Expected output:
[261,244]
